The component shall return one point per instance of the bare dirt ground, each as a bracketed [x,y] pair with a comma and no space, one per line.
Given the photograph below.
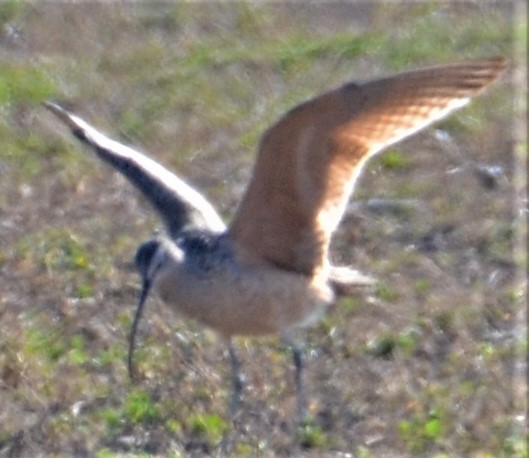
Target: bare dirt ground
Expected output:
[429,363]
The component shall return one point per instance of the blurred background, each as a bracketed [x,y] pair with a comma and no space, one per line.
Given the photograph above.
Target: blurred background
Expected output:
[430,363]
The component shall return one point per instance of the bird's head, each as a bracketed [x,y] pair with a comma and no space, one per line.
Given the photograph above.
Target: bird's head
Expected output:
[150,259]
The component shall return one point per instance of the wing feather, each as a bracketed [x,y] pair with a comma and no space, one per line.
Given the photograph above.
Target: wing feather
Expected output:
[179,205]
[309,161]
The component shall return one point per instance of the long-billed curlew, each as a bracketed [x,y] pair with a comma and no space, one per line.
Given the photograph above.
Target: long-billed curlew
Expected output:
[268,271]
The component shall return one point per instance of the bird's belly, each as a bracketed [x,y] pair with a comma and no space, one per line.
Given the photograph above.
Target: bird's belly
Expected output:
[245,301]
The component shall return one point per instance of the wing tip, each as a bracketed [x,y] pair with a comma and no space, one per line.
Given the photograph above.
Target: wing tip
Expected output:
[65,116]
[492,68]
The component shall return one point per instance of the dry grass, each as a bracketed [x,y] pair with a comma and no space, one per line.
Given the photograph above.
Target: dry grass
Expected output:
[429,364]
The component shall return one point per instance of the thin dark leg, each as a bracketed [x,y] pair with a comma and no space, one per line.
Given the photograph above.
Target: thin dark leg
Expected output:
[236,395]
[237,382]
[299,365]
[297,356]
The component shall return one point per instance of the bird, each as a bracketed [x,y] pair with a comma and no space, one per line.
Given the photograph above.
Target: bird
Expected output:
[268,271]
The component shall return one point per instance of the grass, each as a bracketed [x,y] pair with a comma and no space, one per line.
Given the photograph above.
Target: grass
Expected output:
[423,366]
[24,84]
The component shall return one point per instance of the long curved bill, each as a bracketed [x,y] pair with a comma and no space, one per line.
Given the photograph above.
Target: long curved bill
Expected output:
[146,287]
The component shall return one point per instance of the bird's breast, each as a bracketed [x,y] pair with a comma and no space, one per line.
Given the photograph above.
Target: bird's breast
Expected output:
[236,299]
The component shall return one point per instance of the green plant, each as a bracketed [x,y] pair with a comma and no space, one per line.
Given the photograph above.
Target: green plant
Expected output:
[24,84]
[422,430]
[310,435]
[394,159]
[139,407]
[209,427]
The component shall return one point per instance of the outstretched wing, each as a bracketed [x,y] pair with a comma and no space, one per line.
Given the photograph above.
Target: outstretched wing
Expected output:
[179,205]
[310,160]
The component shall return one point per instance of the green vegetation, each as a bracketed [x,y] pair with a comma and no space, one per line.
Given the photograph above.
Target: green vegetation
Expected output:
[311,435]
[387,344]
[422,431]
[139,408]
[210,428]
[24,84]
[385,292]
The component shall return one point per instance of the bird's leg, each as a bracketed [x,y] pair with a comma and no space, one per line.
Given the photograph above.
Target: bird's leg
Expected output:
[299,364]
[236,394]
[237,382]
